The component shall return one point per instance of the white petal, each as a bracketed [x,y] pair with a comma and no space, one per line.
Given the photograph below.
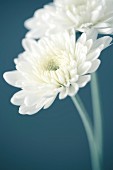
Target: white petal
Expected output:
[30,45]
[18,98]
[74,78]
[60,75]
[63,94]
[92,34]
[30,23]
[81,53]
[83,80]
[105,41]
[84,68]
[24,67]
[102,25]
[82,39]
[29,110]
[94,66]
[33,99]
[93,55]
[96,14]
[106,31]
[14,78]
[89,44]
[35,34]
[49,102]
[73,89]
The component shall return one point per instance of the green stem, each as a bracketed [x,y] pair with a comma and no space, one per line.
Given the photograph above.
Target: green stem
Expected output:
[97,113]
[89,131]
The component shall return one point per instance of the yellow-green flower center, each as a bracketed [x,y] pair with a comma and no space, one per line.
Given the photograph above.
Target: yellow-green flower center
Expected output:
[51,65]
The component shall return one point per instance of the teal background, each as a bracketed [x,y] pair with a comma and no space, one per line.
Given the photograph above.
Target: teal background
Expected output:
[53,139]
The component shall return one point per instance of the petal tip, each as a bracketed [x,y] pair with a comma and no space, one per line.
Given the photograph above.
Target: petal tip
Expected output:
[6,76]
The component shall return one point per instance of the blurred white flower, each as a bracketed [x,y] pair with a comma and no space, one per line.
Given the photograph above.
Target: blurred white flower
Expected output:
[54,65]
[66,14]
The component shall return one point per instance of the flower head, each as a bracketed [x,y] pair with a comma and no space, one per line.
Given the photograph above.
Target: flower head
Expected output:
[66,14]
[54,65]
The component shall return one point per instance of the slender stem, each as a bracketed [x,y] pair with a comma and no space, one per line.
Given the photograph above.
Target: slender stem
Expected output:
[97,113]
[89,131]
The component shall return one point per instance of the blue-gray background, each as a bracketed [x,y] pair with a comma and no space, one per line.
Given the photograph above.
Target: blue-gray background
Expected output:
[53,139]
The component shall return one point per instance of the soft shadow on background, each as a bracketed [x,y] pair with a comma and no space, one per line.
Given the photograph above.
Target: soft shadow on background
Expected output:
[53,139]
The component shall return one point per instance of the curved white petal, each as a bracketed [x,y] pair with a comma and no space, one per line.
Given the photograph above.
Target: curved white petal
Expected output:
[14,78]
[73,89]
[27,110]
[105,41]
[106,30]
[93,55]
[84,68]
[92,34]
[83,80]
[63,94]
[30,45]
[30,23]
[95,65]
[18,98]
[49,102]
[82,38]
[35,33]
[34,99]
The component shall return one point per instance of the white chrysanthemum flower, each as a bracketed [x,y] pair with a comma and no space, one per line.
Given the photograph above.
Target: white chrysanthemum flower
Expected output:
[66,14]
[54,65]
